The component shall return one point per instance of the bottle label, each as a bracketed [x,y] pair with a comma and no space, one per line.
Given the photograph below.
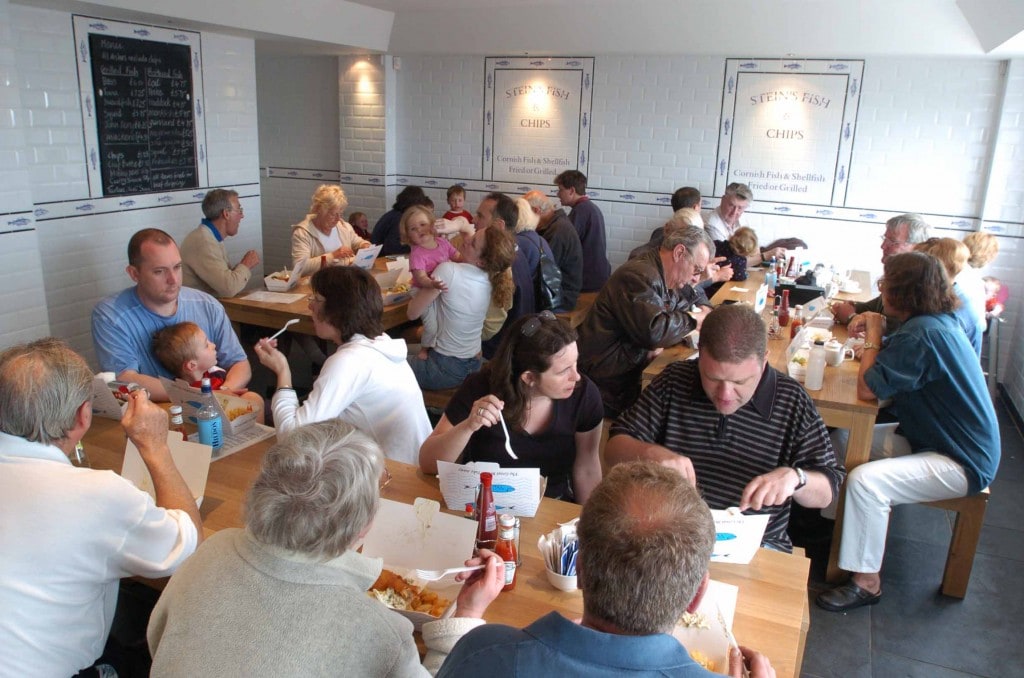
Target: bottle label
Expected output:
[490,524]
[510,571]
[210,433]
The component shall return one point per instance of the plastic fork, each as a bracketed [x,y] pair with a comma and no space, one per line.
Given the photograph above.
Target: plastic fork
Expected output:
[286,326]
[434,575]
[508,441]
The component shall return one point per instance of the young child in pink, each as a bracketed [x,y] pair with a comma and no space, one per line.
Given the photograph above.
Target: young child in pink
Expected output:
[428,251]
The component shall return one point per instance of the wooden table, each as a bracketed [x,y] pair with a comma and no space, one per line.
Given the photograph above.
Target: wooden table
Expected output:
[265,314]
[837,401]
[771,612]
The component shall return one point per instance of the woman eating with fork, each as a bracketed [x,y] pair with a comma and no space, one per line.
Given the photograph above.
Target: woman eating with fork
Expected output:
[552,412]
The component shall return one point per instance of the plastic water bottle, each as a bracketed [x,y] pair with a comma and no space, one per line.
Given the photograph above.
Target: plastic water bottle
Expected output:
[815,377]
[211,426]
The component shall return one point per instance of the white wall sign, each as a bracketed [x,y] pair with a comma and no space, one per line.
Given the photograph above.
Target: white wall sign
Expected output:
[787,128]
[536,117]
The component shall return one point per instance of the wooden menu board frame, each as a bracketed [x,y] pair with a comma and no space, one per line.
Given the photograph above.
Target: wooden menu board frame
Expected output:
[142,106]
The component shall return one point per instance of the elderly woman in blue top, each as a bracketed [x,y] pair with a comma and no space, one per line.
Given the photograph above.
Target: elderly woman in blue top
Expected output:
[948,442]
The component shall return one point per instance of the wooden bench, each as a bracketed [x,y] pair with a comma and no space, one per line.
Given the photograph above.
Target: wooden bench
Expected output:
[438,400]
[583,304]
[970,515]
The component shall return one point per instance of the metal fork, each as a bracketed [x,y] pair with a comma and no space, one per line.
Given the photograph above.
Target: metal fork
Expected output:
[434,575]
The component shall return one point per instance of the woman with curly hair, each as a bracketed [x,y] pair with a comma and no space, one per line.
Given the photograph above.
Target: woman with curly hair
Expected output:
[947,444]
[459,306]
[553,413]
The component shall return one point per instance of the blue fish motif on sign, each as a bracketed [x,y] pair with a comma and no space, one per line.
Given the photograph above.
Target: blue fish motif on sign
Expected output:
[824,213]
[961,223]
[126,203]
[573,63]
[346,178]
[490,80]
[202,153]
[842,173]
[748,65]
[725,126]
[180,37]
[503,62]
[41,212]
[20,221]
[87,207]
[593,194]
[583,158]
[487,154]
[996,228]
[88,105]
[536,63]
[93,158]
[663,199]
[721,167]
[461,184]
[318,174]
[627,196]
[586,81]
[431,182]
[869,215]
[488,118]
[730,83]
[141,31]
[853,88]
[199,108]
[782,209]
[837,67]
[83,51]
[374,180]
[846,131]
[584,120]
[195,60]
[492,187]
[164,198]
[198,195]
[793,66]
[98,26]
[293,173]
[402,180]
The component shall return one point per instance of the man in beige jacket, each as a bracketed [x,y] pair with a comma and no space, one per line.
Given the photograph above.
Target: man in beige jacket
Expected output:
[204,260]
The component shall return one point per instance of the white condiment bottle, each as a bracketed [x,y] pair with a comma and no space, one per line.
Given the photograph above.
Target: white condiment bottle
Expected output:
[815,377]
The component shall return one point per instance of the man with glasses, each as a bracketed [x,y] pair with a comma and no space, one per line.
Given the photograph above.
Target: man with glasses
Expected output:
[204,260]
[644,307]
[68,535]
[902,232]
[724,220]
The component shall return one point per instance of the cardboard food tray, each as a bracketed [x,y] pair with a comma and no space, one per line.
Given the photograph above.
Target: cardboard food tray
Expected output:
[713,642]
[389,279]
[406,537]
[187,396]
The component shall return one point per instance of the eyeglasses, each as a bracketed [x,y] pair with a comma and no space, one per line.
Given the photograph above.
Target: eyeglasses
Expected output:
[315,299]
[890,241]
[385,478]
[531,326]
[239,209]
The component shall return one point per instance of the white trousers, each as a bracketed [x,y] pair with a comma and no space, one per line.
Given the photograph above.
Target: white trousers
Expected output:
[895,476]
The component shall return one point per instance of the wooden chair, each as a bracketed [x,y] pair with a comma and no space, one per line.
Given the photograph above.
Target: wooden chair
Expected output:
[970,514]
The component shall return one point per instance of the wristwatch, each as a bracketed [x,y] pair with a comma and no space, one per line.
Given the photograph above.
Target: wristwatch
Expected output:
[801,478]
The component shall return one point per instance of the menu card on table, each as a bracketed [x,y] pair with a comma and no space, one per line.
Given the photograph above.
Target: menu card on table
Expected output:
[516,490]
[737,536]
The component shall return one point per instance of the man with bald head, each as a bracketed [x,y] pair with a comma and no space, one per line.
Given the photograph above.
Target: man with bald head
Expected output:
[554,226]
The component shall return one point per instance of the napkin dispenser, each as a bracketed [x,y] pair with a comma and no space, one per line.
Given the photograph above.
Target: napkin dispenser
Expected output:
[799,294]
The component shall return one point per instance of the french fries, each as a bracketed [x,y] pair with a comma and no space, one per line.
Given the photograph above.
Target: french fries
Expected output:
[398,593]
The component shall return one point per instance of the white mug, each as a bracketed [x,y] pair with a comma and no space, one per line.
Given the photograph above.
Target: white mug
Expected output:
[836,353]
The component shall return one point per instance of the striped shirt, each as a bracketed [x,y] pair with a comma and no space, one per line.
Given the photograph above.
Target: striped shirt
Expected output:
[778,426]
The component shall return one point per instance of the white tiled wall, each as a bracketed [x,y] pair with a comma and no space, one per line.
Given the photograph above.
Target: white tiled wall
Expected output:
[362,101]
[83,257]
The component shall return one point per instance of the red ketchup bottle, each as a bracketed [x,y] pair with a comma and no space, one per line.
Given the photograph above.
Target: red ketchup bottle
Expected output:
[487,527]
[506,548]
[784,309]
[797,321]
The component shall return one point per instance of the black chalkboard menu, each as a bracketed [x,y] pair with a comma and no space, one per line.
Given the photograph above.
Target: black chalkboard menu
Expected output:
[144,114]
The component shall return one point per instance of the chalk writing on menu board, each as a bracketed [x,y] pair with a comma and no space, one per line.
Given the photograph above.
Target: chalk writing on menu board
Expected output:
[144,115]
